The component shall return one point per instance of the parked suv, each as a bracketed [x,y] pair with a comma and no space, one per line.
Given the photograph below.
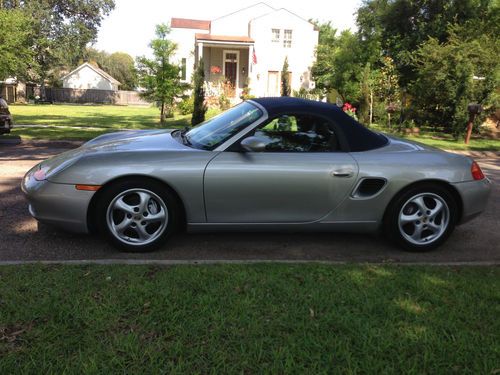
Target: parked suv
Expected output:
[5,117]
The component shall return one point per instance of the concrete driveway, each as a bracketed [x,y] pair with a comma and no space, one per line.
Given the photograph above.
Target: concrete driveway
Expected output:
[476,242]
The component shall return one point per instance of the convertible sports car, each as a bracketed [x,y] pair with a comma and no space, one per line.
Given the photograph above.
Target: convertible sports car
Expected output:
[265,164]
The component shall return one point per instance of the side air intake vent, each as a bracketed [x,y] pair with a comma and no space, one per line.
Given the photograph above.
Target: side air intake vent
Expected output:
[369,187]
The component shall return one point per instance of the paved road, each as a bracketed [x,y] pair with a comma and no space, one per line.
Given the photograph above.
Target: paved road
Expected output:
[478,241]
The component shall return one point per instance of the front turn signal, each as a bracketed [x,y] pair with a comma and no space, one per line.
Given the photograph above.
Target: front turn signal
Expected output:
[88,187]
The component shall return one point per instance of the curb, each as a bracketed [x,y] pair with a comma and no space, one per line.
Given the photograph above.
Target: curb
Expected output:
[10,141]
[168,262]
[476,154]
[53,143]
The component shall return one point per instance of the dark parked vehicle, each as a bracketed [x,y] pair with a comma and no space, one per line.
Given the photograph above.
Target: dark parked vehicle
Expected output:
[5,117]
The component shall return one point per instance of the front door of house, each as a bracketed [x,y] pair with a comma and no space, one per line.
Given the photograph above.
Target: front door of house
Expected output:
[273,87]
[231,70]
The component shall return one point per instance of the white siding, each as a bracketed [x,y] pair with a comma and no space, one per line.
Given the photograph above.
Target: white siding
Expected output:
[256,22]
[270,56]
[86,78]
[185,40]
[237,22]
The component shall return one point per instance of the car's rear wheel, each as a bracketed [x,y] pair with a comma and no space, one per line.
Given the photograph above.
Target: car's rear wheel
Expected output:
[137,216]
[421,218]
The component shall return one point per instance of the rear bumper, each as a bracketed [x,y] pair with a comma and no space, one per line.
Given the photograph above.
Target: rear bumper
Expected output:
[60,205]
[5,124]
[475,195]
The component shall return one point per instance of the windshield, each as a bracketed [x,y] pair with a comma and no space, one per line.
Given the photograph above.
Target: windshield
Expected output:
[212,133]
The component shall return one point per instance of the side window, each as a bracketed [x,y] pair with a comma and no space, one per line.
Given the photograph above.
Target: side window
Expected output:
[183,68]
[287,38]
[275,35]
[298,133]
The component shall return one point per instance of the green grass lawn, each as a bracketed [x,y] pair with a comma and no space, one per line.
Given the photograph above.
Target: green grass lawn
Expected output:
[85,122]
[446,141]
[248,319]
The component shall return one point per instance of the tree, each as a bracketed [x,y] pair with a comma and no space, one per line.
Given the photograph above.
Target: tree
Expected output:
[285,79]
[401,26]
[200,108]
[119,65]
[15,34]
[388,87]
[340,61]
[158,76]
[60,31]
[369,79]
[450,75]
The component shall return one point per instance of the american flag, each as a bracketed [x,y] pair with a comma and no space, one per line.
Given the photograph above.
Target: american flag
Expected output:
[254,57]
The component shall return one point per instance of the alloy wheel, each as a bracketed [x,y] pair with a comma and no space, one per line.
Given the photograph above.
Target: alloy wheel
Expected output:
[424,218]
[137,217]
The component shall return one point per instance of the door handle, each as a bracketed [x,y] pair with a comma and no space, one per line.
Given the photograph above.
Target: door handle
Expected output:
[343,173]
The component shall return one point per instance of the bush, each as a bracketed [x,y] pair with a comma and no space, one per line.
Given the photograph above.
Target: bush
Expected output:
[224,102]
[199,105]
[245,94]
[186,105]
[304,93]
[446,81]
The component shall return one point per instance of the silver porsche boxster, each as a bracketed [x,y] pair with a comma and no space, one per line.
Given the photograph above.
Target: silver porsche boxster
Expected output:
[265,164]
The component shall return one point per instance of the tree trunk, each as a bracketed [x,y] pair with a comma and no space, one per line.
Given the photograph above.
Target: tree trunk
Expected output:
[402,116]
[371,107]
[43,95]
[162,112]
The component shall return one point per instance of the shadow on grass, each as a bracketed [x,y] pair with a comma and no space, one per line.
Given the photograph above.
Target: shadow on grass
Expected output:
[243,318]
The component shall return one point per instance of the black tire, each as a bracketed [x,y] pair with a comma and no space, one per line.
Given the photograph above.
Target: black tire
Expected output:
[5,127]
[160,194]
[396,232]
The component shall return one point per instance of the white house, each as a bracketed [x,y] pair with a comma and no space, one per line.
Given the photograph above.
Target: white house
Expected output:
[247,48]
[87,76]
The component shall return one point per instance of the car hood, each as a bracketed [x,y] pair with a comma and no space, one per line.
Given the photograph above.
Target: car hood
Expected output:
[126,141]
[134,140]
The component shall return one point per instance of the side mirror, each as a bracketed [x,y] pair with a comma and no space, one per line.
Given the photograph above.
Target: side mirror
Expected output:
[253,144]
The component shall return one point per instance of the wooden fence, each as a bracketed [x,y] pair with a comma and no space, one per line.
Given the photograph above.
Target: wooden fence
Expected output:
[67,95]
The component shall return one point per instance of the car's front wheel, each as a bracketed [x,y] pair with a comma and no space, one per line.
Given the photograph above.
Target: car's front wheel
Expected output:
[137,215]
[421,218]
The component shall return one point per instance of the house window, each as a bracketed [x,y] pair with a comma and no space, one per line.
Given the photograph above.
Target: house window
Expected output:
[183,69]
[275,35]
[287,38]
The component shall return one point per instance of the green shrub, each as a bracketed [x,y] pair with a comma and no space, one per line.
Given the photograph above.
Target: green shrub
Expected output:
[224,102]
[199,105]
[245,94]
[185,107]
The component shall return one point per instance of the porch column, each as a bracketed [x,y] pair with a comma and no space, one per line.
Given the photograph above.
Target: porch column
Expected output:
[250,59]
[200,51]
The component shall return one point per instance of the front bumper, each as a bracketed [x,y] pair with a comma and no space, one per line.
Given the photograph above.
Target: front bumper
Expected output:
[475,195]
[60,205]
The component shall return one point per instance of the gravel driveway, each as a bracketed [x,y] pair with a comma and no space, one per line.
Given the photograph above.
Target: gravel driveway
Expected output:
[475,242]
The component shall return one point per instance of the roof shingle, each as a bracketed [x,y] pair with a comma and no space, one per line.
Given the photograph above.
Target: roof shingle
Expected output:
[224,38]
[185,23]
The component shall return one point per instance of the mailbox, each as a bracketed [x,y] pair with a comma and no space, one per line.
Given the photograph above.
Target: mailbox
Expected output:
[474,108]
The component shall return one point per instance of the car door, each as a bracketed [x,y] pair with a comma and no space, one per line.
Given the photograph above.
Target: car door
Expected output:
[300,177]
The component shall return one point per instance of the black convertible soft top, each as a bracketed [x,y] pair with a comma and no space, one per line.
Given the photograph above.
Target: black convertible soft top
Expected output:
[358,137]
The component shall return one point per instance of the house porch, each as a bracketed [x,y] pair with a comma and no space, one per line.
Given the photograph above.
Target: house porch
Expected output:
[227,61]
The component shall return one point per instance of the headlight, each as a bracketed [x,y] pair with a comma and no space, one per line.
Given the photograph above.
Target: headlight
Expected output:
[41,174]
